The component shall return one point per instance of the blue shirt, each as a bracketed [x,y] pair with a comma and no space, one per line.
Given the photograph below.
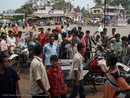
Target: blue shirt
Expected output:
[67,30]
[49,51]
[7,82]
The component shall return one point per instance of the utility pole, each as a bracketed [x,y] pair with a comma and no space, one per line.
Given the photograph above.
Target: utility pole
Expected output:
[105,13]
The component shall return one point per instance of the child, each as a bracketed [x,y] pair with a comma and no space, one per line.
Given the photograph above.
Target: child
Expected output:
[8,80]
[115,82]
[55,77]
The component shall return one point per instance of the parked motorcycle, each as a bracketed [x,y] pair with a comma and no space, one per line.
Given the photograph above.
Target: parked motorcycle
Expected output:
[19,58]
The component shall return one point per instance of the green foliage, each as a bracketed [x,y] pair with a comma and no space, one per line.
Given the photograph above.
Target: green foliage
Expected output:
[78,9]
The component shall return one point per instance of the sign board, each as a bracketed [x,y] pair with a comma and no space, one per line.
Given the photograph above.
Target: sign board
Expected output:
[14,14]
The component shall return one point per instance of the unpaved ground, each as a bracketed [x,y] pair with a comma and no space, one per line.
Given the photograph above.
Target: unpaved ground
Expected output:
[25,87]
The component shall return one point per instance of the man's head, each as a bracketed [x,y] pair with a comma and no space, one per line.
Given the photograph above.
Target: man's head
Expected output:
[42,30]
[47,36]
[4,36]
[82,34]
[10,33]
[20,33]
[63,36]
[117,36]
[62,27]
[52,39]
[69,33]
[54,60]
[87,33]
[99,25]
[105,30]
[79,29]
[113,30]
[124,40]
[49,29]
[74,32]
[111,59]
[39,29]
[38,50]
[31,33]
[4,61]
[68,25]
[74,39]
[56,32]
[80,48]
[103,34]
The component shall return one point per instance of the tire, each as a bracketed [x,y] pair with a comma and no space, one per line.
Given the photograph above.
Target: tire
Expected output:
[15,63]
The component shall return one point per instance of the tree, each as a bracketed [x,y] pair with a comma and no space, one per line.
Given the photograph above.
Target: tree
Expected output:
[124,3]
[78,9]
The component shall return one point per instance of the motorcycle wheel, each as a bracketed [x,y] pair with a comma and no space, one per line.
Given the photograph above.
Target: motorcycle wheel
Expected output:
[15,63]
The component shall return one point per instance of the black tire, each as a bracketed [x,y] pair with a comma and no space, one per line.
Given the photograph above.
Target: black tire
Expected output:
[15,63]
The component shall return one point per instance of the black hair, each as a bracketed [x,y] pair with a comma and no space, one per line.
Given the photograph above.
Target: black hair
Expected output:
[62,27]
[20,32]
[56,30]
[81,33]
[79,36]
[42,28]
[75,32]
[80,28]
[2,58]
[124,38]
[117,35]
[38,50]
[102,33]
[10,31]
[52,35]
[49,29]
[64,35]
[80,46]
[54,57]
[53,30]
[105,29]
[87,31]
[113,28]
[69,32]
[56,37]
[112,58]
[4,36]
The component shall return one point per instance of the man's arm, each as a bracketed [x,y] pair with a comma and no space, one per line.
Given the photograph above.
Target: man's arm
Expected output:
[76,78]
[40,84]
[18,89]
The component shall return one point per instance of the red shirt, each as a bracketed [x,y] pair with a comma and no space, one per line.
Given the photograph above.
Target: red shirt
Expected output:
[45,41]
[57,84]
[41,36]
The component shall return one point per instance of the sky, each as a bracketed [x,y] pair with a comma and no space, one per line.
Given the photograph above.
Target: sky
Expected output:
[14,4]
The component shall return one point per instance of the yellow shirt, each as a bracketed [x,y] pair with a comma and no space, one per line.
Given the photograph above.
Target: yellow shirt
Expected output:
[6,31]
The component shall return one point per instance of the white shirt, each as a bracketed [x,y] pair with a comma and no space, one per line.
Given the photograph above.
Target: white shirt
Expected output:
[38,72]
[10,42]
[77,65]
[100,29]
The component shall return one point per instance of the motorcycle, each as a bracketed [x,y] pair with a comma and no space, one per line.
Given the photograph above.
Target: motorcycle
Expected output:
[20,57]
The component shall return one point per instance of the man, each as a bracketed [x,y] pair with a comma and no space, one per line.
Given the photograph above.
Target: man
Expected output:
[117,45]
[63,44]
[113,32]
[126,50]
[15,30]
[100,29]
[89,40]
[50,49]
[11,41]
[4,46]
[62,29]
[38,75]
[45,40]
[75,34]
[67,29]
[71,48]
[79,30]
[69,37]
[76,73]
[57,33]
[31,38]
[41,35]
[20,38]
[48,31]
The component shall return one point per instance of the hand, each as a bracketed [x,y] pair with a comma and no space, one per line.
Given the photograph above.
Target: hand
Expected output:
[76,84]
[47,93]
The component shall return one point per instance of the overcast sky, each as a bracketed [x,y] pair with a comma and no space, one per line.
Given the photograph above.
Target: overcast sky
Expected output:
[14,4]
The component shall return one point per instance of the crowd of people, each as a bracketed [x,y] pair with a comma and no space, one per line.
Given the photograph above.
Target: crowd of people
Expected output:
[46,77]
